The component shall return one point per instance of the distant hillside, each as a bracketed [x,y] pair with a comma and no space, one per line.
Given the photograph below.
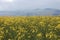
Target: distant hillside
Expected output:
[33,12]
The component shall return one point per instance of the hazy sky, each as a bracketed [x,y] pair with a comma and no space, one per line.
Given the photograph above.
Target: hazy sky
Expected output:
[28,4]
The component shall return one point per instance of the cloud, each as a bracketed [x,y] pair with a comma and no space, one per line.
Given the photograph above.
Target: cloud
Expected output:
[29,4]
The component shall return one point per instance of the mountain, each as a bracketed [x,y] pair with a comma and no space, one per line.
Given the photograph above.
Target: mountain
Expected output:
[56,12]
[47,11]
[32,12]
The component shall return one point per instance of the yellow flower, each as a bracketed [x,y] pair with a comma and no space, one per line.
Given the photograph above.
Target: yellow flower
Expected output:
[58,26]
[1,36]
[29,36]
[9,39]
[39,35]
[33,31]
[6,31]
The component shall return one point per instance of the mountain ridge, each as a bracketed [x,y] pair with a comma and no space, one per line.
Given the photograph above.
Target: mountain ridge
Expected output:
[33,12]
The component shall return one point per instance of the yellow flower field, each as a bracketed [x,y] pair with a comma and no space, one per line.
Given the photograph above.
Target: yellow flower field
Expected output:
[29,27]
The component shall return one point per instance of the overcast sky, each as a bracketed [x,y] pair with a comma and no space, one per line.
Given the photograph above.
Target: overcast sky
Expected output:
[28,4]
